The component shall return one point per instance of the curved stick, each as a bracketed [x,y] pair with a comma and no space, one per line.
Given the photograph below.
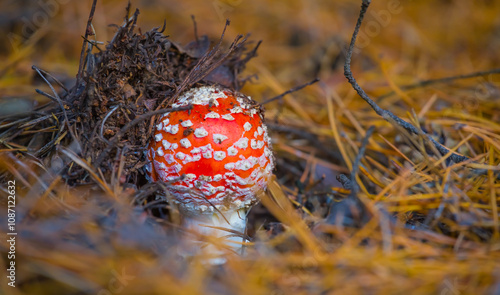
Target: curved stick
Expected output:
[387,115]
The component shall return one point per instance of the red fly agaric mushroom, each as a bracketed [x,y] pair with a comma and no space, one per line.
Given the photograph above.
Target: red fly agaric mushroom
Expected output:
[222,150]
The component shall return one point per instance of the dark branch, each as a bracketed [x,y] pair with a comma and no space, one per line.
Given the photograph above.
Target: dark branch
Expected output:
[387,115]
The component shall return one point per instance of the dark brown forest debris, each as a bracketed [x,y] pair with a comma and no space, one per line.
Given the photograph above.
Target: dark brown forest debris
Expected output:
[106,117]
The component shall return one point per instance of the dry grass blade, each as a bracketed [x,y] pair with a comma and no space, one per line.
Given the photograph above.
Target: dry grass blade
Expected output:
[102,183]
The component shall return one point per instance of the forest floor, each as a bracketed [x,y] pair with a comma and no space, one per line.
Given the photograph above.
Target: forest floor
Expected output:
[413,220]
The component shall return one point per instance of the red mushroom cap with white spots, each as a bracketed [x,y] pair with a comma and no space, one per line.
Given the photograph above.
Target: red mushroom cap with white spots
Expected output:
[221,146]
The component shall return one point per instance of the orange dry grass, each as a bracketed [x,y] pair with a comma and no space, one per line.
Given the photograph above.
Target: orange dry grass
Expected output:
[445,238]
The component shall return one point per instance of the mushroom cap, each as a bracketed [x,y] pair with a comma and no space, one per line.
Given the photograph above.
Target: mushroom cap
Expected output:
[216,154]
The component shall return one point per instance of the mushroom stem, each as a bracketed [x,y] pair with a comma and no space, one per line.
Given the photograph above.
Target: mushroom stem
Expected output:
[217,233]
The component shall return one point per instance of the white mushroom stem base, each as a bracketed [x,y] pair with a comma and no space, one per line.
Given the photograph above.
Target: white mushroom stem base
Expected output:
[216,235]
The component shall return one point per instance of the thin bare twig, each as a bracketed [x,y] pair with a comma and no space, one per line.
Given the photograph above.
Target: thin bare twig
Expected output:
[59,101]
[352,211]
[357,161]
[387,115]
[113,109]
[313,138]
[206,64]
[131,124]
[55,80]
[195,29]
[425,83]
[46,95]
[289,91]
[88,29]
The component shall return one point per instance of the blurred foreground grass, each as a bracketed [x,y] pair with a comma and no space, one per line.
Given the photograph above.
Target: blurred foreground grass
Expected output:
[435,227]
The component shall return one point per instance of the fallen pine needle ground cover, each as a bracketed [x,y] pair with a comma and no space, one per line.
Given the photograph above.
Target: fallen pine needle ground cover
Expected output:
[387,151]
